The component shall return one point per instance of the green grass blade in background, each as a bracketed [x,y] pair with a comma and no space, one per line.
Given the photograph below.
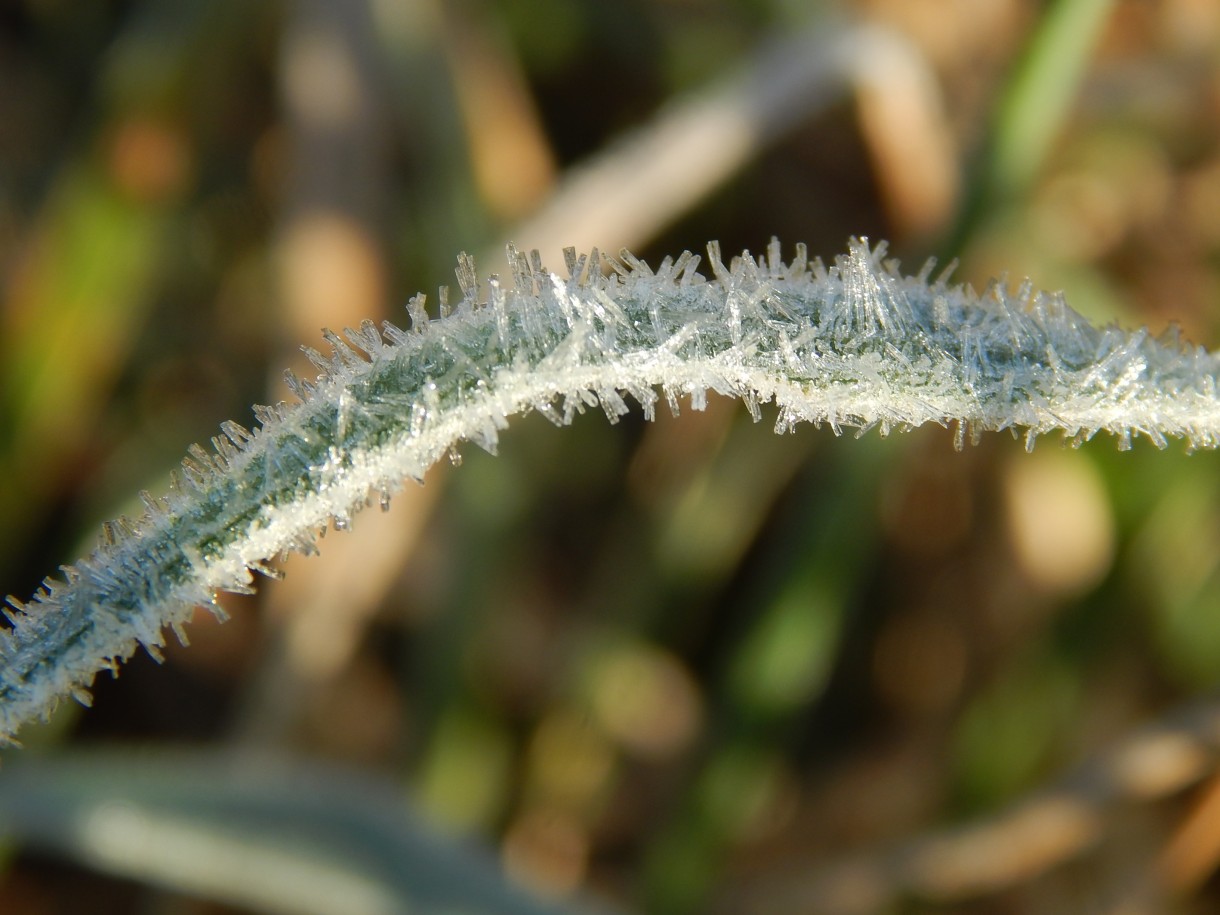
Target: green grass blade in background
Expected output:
[278,836]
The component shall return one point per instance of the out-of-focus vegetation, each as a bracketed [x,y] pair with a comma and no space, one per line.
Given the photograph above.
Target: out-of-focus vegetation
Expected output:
[674,667]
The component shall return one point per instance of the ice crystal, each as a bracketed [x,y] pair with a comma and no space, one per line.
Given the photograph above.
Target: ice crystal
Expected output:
[854,345]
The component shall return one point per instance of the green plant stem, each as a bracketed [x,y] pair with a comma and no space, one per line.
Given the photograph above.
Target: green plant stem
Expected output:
[1033,108]
[857,345]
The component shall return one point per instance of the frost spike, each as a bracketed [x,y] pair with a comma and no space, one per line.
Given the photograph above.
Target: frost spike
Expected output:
[775,257]
[153,506]
[366,338]
[323,364]
[346,356]
[202,459]
[195,475]
[218,612]
[395,334]
[499,308]
[417,313]
[926,271]
[468,280]
[800,261]
[688,263]
[633,264]
[264,414]
[523,278]
[594,275]
[266,570]
[238,434]
[13,610]
[302,389]
[224,449]
[678,269]
[942,281]
[719,271]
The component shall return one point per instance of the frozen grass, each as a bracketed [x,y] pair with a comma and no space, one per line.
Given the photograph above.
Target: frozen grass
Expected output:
[857,345]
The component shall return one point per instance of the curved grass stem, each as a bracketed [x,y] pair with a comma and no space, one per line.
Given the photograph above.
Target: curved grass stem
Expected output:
[853,345]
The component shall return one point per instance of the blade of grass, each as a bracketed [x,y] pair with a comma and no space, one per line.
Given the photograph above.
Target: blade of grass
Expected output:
[1032,110]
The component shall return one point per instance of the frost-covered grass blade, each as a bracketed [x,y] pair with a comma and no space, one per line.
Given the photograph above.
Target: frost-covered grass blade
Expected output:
[853,345]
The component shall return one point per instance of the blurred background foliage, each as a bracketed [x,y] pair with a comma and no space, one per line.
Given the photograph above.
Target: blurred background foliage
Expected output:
[671,667]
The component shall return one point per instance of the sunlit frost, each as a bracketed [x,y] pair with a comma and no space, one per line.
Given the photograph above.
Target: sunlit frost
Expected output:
[857,345]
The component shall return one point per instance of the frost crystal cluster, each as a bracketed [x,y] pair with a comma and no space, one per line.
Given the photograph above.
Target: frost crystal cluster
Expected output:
[855,345]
